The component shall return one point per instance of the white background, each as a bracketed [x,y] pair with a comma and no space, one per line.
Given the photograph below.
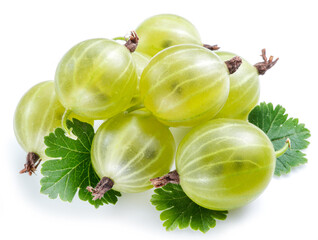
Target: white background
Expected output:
[36,34]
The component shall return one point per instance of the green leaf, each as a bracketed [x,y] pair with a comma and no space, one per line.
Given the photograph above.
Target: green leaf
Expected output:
[278,127]
[72,170]
[180,211]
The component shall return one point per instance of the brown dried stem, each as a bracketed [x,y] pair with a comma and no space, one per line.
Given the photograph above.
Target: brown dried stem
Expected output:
[104,185]
[262,67]
[211,47]
[32,162]
[171,177]
[233,64]
[132,42]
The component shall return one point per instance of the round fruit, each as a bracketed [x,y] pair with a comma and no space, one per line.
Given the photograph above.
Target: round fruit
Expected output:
[244,90]
[131,148]
[225,164]
[161,31]
[38,113]
[185,85]
[96,79]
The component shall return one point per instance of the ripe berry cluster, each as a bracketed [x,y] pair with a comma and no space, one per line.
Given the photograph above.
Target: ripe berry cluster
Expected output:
[163,76]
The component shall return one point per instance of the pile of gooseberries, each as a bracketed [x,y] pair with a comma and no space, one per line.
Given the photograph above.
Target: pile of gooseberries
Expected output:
[162,76]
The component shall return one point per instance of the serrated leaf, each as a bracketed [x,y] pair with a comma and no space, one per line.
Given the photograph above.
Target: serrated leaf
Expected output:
[278,127]
[73,169]
[180,211]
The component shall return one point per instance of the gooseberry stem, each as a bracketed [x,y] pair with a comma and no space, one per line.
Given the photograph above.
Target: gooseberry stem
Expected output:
[32,162]
[233,64]
[211,47]
[135,107]
[66,114]
[171,177]
[132,42]
[281,151]
[120,38]
[104,185]
[262,67]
